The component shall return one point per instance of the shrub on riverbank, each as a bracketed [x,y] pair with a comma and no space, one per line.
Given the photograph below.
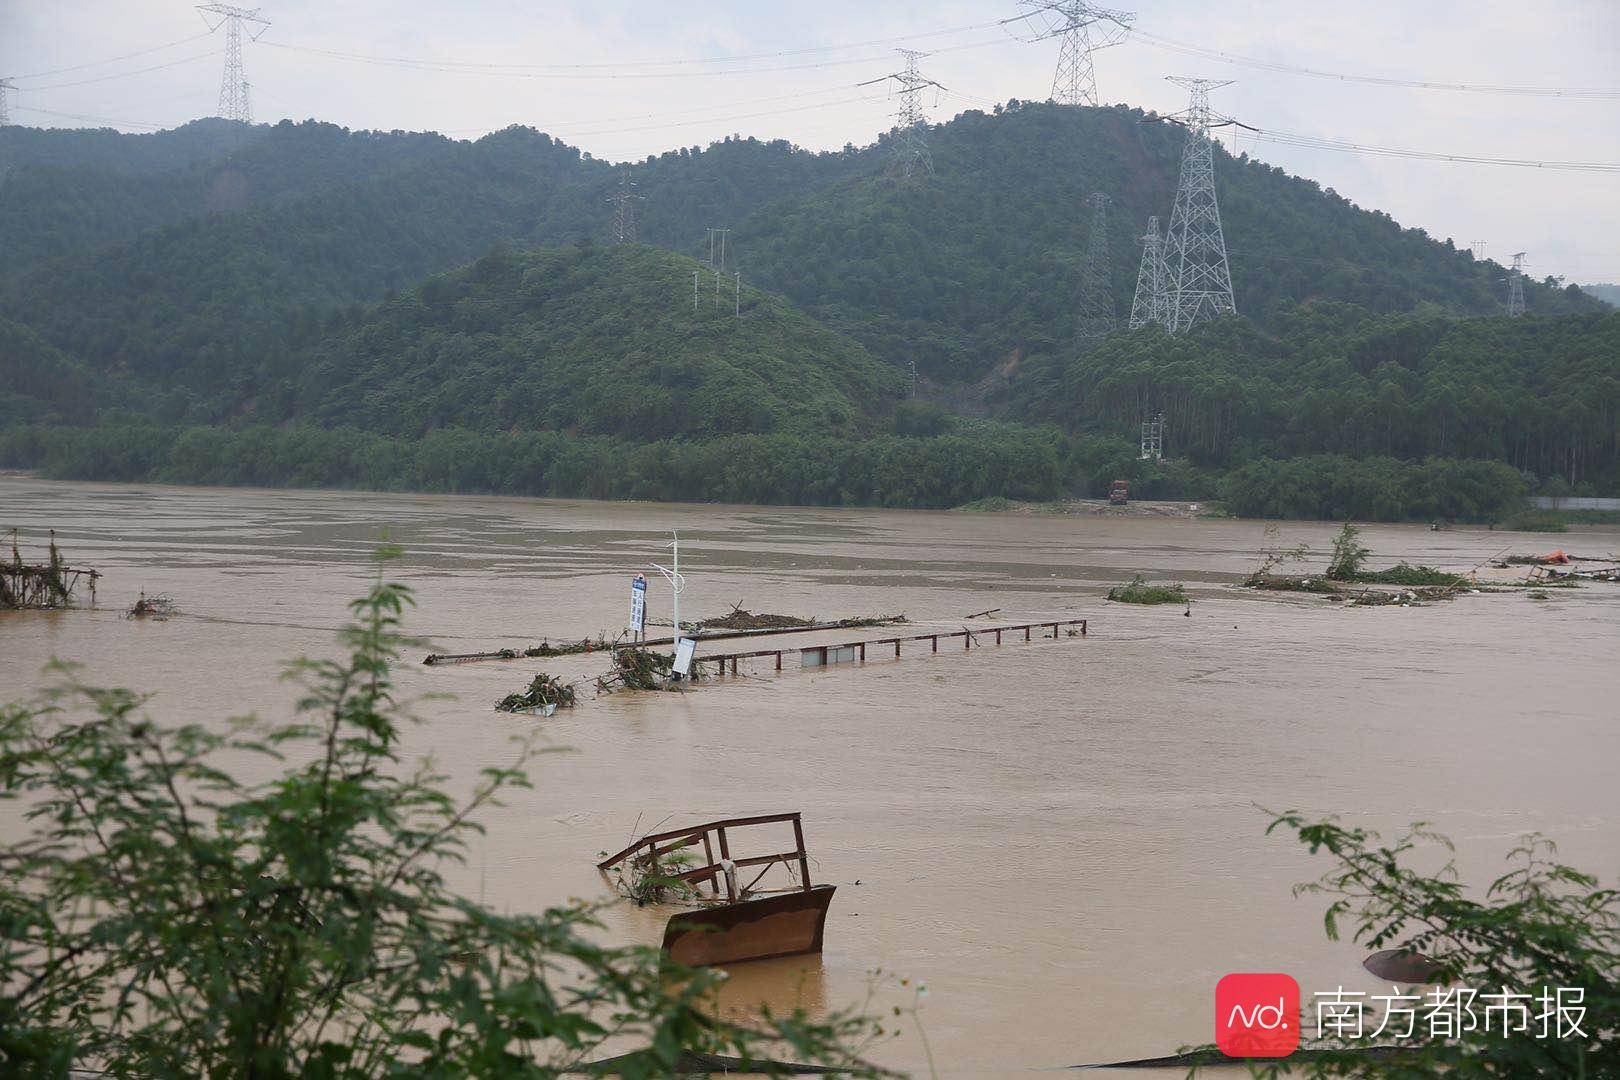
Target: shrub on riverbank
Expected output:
[1138,591]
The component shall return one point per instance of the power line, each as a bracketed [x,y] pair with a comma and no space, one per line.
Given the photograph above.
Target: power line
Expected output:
[93,119]
[1590,92]
[518,72]
[124,74]
[619,64]
[1312,142]
[113,59]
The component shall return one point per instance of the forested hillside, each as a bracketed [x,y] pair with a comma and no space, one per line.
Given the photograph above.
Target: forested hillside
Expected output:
[1609,294]
[295,279]
[592,340]
[1539,393]
[62,192]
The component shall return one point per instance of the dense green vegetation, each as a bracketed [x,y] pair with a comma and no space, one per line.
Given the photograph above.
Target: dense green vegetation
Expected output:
[1608,293]
[406,285]
[1541,394]
[1373,489]
[594,340]
[942,471]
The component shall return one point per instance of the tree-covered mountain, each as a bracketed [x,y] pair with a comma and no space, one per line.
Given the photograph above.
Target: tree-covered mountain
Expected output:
[961,272]
[1609,294]
[67,192]
[394,285]
[588,339]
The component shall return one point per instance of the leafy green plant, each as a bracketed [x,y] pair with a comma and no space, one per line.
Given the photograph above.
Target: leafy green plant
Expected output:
[1348,554]
[1140,592]
[163,917]
[649,878]
[1541,924]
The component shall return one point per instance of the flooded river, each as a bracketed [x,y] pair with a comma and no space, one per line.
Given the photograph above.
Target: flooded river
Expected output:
[1063,840]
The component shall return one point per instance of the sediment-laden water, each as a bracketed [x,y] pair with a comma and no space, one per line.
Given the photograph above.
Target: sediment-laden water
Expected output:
[1062,840]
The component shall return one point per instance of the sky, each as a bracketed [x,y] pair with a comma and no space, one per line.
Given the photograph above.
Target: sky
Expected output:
[622,80]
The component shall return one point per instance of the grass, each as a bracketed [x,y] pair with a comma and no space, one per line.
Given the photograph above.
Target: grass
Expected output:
[995,504]
[1140,592]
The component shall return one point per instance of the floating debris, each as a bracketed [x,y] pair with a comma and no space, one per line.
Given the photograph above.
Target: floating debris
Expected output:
[157,607]
[544,696]
[740,618]
[1403,597]
[568,648]
[638,669]
[41,586]
[738,922]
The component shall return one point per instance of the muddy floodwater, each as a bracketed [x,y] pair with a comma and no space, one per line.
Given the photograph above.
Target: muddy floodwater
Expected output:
[1063,840]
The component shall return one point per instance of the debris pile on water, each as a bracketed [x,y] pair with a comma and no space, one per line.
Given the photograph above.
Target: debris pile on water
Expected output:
[543,693]
[740,618]
[157,607]
[637,669]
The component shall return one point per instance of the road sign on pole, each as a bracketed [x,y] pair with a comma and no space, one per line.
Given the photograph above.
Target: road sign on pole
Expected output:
[638,604]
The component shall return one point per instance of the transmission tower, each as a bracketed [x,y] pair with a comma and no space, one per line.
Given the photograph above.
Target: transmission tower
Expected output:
[233,87]
[1200,284]
[910,122]
[624,211]
[1516,285]
[5,101]
[1083,29]
[1152,301]
[1153,437]
[1094,313]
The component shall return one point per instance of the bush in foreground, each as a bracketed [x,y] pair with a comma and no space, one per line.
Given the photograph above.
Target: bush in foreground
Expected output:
[1541,925]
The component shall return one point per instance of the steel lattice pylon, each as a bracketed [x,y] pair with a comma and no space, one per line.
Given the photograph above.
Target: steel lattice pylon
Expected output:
[1516,285]
[1072,22]
[233,87]
[1200,285]
[910,122]
[1094,313]
[1152,302]
[624,211]
[5,102]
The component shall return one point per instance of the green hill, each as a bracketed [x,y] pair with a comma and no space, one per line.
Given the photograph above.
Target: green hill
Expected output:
[601,341]
[315,290]
[959,273]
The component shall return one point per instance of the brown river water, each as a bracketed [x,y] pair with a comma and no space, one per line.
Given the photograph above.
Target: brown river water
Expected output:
[1062,840]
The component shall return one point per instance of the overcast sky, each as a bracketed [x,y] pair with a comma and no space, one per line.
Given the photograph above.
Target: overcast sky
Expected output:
[646,77]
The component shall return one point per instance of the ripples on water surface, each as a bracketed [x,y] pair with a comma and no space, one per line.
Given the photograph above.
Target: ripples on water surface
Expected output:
[1061,839]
